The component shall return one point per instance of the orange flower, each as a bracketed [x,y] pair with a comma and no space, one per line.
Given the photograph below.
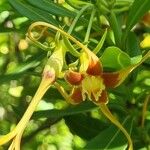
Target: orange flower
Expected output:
[91,81]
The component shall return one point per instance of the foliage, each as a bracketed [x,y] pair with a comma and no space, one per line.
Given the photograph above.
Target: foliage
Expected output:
[113,30]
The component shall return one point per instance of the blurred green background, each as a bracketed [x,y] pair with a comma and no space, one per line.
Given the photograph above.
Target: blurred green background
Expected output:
[56,125]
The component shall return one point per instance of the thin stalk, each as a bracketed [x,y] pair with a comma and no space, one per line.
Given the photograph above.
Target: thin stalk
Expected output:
[89,26]
[77,18]
[115,27]
[12,146]
[43,87]
[72,4]
[120,10]
[109,115]
[39,23]
[100,43]
[144,110]
[63,92]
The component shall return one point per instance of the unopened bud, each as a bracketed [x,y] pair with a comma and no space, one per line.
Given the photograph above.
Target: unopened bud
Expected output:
[74,78]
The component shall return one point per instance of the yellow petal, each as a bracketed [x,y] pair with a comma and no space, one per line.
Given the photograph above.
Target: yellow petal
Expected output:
[146,42]
[92,86]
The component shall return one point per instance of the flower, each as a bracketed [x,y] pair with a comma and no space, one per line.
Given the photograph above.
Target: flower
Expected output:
[92,82]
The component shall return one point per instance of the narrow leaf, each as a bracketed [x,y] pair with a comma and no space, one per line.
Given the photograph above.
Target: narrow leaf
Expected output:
[138,9]
[100,44]
[32,13]
[111,138]
[52,8]
[84,107]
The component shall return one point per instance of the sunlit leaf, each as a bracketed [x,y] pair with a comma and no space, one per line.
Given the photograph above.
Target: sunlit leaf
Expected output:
[51,7]
[84,107]
[32,13]
[111,138]
[114,58]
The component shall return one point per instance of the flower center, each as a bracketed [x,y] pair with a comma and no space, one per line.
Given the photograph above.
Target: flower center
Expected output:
[92,86]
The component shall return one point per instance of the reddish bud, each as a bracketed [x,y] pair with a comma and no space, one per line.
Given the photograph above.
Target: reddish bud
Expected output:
[73,78]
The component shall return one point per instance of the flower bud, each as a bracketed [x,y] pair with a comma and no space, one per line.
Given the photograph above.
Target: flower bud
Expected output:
[74,78]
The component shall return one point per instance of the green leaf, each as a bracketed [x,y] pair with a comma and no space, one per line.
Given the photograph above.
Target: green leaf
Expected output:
[23,69]
[32,13]
[111,138]
[84,107]
[138,9]
[116,28]
[114,58]
[133,48]
[52,8]
[79,124]
[100,43]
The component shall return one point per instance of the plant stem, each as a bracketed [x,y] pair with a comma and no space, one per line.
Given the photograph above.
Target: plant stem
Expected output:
[77,18]
[144,110]
[43,87]
[116,28]
[109,115]
[89,26]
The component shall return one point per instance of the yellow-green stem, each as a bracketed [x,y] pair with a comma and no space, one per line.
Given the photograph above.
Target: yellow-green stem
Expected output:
[109,115]
[39,23]
[43,87]
[144,110]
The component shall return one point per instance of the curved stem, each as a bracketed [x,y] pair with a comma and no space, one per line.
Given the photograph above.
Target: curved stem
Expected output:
[144,109]
[18,140]
[39,23]
[12,146]
[4,139]
[109,115]
[63,93]
[43,87]
[75,3]
[77,18]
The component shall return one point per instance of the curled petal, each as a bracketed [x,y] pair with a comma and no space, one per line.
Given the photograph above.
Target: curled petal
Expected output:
[102,99]
[95,66]
[74,78]
[110,79]
[76,95]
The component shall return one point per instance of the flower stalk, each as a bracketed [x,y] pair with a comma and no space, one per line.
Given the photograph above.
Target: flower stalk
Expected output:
[16,133]
[109,115]
[52,70]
